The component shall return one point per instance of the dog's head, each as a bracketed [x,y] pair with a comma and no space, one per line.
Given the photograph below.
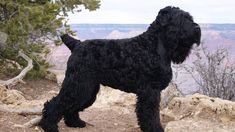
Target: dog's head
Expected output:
[178,32]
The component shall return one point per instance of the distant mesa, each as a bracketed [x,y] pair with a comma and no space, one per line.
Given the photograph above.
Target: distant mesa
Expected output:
[116,34]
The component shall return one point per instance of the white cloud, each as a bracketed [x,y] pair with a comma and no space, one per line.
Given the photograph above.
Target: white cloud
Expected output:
[145,11]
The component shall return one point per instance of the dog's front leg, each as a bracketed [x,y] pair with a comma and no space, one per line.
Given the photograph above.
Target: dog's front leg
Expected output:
[147,110]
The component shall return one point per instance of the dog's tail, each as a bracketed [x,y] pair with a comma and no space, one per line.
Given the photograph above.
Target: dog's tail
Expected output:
[69,41]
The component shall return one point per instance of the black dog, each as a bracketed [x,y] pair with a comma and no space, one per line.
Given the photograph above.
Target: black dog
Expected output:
[140,65]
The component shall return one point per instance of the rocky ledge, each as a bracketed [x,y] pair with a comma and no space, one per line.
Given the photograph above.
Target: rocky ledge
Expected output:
[199,113]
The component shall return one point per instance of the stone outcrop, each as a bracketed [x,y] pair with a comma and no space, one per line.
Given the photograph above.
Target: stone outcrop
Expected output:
[112,99]
[13,101]
[119,101]
[10,96]
[199,113]
[168,94]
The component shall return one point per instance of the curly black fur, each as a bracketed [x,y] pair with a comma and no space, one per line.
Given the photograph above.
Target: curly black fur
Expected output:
[140,65]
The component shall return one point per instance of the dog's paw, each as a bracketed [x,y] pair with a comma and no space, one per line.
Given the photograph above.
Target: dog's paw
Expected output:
[159,129]
[78,123]
[48,127]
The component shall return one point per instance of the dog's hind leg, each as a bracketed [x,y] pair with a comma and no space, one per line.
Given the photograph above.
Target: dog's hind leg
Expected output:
[147,110]
[57,106]
[72,119]
[51,115]
[73,95]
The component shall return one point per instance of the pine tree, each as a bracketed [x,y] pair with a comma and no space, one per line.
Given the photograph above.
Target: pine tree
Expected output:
[28,23]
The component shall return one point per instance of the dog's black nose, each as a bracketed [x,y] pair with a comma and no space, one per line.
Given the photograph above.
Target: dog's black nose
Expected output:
[196,26]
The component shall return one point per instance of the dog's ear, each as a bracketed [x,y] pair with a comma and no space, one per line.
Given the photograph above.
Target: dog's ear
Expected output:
[69,41]
[164,15]
[167,15]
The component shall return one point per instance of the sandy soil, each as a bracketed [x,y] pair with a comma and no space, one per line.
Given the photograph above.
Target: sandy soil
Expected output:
[100,120]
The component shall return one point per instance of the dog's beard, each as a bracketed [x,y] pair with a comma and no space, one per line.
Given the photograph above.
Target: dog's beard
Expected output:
[180,54]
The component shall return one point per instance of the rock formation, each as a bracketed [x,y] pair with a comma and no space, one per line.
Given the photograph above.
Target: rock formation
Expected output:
[199,113]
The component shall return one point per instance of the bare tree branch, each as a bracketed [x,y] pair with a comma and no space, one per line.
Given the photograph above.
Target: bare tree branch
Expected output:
[37,110]
[31,123]
[215,75]
[22,74]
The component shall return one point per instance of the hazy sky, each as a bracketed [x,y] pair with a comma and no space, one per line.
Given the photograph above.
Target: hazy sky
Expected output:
[145,11]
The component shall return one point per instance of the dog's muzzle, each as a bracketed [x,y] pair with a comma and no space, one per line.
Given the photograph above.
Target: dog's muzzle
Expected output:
[197,33]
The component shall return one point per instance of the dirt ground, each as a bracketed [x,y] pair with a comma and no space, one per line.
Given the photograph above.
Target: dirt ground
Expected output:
[99,120]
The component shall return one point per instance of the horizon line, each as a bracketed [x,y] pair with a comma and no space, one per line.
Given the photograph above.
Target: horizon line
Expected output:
[140,23]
